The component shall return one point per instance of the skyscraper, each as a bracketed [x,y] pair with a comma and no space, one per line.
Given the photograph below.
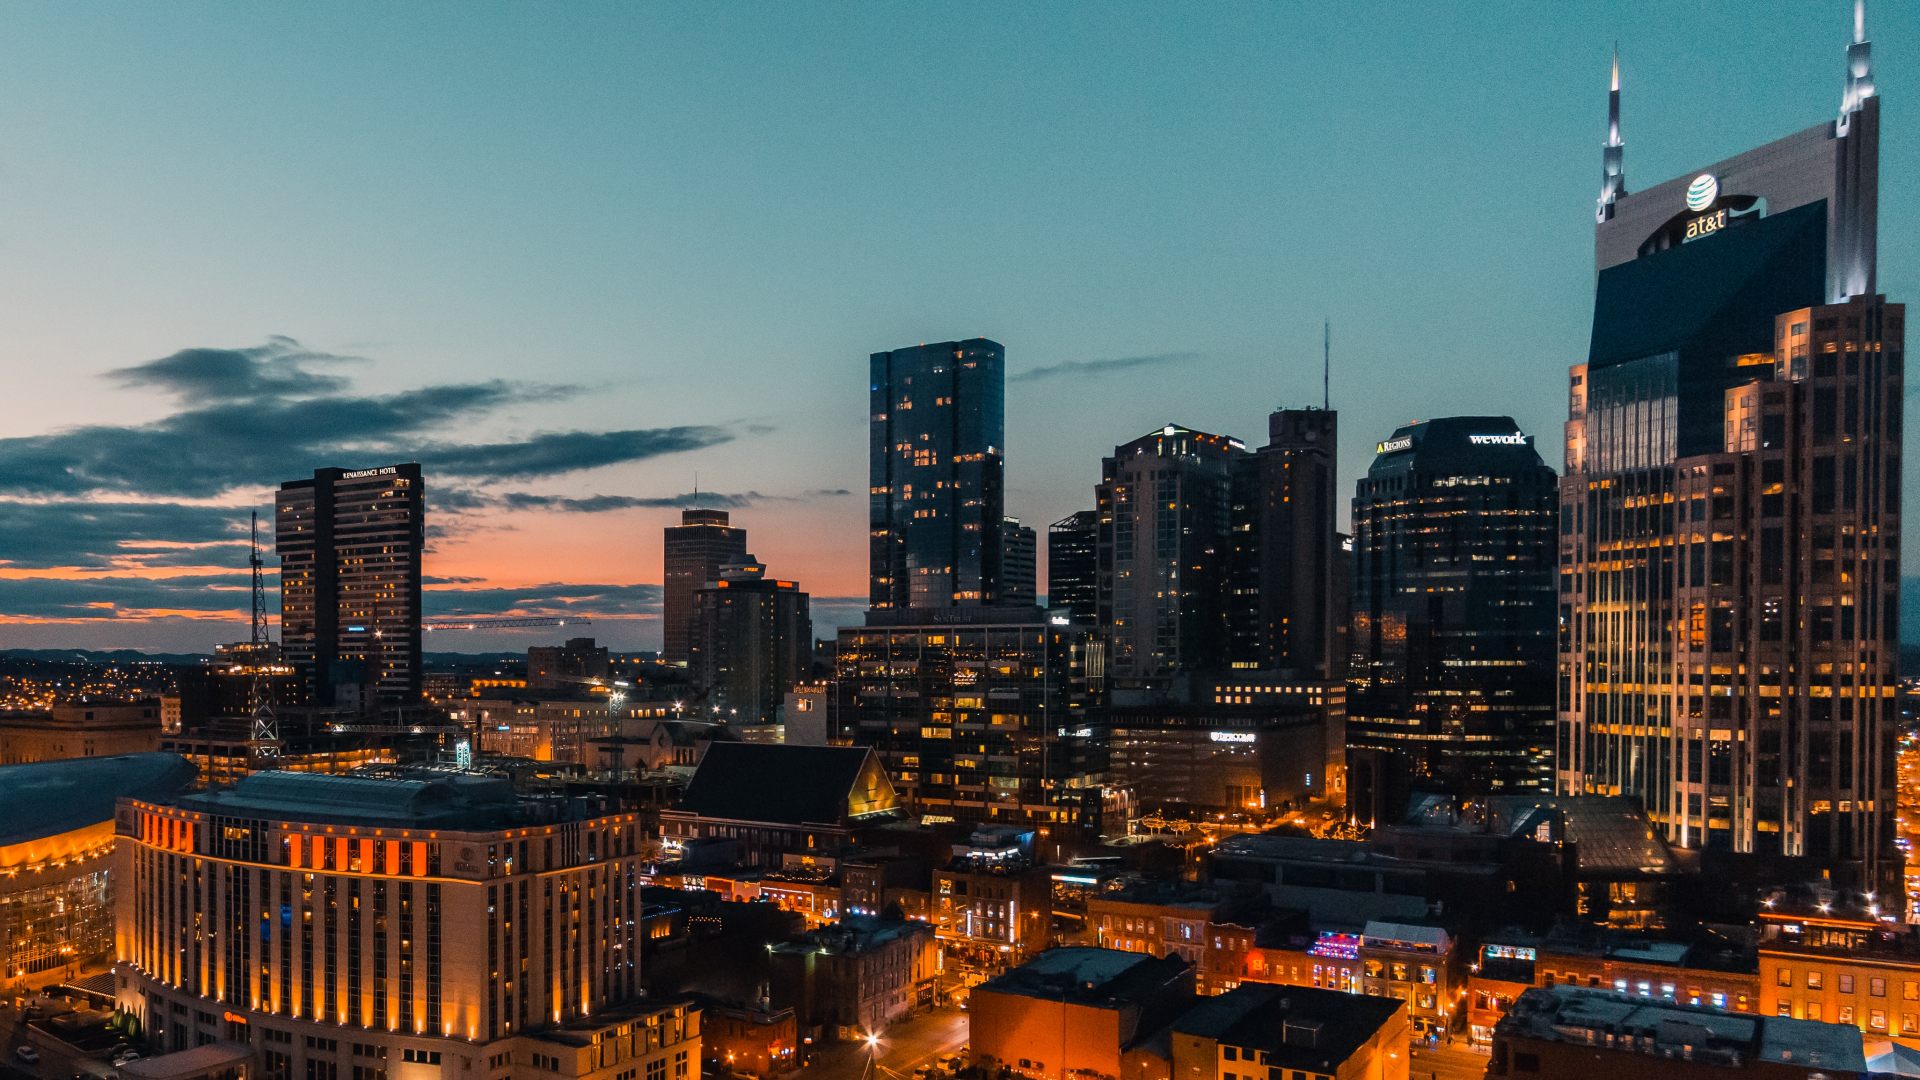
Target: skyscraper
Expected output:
[979,720]
[1286,549]
[1454,606]
[1164,547]
[1073,560]
[1019,565]
[696,550]
[1730,510]
[935,493]
[350,543]
[752,641]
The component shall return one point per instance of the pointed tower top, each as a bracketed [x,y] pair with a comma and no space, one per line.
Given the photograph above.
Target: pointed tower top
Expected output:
[1859,70]
[1613,180]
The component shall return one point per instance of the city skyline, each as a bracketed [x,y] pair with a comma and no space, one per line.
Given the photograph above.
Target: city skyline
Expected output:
[554,460]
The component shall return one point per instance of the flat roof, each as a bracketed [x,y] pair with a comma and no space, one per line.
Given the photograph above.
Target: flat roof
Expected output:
[413,798]
[1300,1027]
[1083,973]
[1714,1036]
[47,798]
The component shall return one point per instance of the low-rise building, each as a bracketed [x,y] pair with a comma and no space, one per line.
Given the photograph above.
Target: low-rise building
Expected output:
[773,800]
[1258,1031]
[1329,959]
[857,976]
[1576,1033]
[1075,1012]
[1841,963]
[754,1040]
[630,1041]
[1418,965]
[1211,929]
[1716,974]
[86,729]
[991,912]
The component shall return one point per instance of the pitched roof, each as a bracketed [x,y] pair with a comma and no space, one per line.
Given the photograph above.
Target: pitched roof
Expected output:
[789,785]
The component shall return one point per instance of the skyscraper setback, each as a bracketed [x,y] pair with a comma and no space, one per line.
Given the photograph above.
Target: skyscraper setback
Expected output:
[350,543]
[936,480]
[1288,612]
[1730,510]
[696,551]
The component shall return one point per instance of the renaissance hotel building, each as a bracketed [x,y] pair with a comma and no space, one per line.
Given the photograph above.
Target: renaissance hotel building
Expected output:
[1730,510]
[413,923]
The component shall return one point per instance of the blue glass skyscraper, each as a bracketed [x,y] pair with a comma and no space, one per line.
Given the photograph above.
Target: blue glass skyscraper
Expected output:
[937,476]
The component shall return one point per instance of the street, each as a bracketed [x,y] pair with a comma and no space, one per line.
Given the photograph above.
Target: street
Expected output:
[1446,1063]
[903,1047]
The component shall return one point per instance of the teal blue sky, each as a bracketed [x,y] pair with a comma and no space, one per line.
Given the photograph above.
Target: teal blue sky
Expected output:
[707,215]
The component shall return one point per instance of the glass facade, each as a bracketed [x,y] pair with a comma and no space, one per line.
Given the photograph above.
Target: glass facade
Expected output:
[1454,606]
[935,497]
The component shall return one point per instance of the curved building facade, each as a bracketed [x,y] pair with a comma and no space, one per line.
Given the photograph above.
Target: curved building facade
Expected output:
[56,846]
[1454,607]
[413,922]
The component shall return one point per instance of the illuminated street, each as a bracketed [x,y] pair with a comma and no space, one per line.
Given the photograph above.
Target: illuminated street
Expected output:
[904,1048]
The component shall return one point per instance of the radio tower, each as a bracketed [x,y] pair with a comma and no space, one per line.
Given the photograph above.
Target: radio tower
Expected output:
[266,729]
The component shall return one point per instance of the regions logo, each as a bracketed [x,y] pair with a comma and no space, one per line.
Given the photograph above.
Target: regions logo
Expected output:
[1701,193]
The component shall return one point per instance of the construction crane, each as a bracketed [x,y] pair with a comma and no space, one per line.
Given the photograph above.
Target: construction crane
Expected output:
[502,623]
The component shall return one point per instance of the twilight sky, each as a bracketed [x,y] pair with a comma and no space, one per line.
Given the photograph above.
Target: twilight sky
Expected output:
[570,256]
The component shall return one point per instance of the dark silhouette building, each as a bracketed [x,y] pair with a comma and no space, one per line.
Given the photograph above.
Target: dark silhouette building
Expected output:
[752,641]
[1454,606]
[573,666]
[935,494]
[1730,509]
[1073,562]
[1286,613]
[350,542]
[697,549]
[1164,505]
[1019,564]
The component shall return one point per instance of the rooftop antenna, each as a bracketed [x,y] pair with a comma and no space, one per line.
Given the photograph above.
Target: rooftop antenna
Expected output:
[266,727]
[1326,365]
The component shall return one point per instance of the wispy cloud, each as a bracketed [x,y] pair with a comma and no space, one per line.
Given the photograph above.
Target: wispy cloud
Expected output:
[1103,366]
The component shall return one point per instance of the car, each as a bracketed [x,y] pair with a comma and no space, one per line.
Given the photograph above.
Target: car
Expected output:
[27,1054]
[950,1062]
[125,1056]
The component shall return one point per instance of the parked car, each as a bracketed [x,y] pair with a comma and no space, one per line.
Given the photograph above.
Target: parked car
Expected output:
[27,1054]
[125,1056]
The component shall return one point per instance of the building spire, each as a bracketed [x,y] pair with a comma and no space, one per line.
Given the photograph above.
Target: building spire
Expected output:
[1859,70]
[1613,180]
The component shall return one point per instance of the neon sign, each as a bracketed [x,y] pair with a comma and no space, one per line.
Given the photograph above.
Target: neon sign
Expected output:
[1231,736]
[1515,439]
